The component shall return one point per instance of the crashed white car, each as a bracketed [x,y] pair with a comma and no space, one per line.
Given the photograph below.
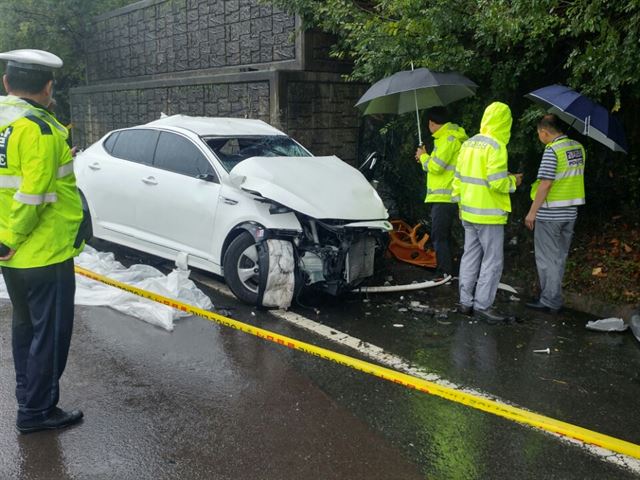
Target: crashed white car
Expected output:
[235,197]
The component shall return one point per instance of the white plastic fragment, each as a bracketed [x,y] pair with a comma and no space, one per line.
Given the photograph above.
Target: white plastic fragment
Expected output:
[544,350]
[398,325]
[612,324]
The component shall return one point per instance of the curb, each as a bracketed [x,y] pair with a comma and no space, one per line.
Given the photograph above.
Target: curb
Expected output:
[599,308]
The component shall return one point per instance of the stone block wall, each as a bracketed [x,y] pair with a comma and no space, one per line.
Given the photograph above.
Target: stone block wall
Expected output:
[96,111]
[168,36]
[319,112]
[229,58]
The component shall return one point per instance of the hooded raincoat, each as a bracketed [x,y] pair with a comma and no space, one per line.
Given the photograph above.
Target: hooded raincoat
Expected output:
[482,182]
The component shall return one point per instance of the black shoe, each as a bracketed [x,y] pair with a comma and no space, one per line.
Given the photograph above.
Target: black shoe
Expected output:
[537,305]
[465,309]
[58,418]
[489,316]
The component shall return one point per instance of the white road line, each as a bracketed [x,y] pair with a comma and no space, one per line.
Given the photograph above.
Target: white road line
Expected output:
[398,363]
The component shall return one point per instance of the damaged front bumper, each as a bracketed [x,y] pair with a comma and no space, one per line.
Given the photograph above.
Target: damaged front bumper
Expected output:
[333,256]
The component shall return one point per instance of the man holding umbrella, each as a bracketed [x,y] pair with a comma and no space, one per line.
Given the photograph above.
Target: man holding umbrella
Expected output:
[482,185]
[556,194]
[440,166]
[560,185]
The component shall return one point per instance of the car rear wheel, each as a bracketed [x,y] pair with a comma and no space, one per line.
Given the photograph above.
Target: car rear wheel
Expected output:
[242,269]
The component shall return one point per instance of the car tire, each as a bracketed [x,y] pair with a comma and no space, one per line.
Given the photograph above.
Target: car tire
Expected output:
[241,268]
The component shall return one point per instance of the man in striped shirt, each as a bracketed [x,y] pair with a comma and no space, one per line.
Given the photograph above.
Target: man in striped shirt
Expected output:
[556,195]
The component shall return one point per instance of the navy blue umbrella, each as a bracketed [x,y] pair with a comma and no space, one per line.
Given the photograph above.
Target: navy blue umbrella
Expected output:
[583,114]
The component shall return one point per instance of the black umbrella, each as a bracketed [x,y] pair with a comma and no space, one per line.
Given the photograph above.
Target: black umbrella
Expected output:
[583,114]
[413,90]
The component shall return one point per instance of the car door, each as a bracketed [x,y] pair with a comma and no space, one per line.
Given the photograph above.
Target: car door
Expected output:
[111,182]
[181,197]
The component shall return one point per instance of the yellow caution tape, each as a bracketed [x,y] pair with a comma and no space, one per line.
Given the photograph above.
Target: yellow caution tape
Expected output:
[500,409]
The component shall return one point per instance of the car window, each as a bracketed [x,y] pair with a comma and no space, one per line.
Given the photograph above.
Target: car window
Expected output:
[136,145]
[110,142]
[178,154]
[233,150]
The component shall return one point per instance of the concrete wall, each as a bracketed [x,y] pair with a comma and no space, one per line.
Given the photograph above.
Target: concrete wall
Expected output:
[238,58]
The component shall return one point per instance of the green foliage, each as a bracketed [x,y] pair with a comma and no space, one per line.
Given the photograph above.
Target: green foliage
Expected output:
[58,26]
[508,47]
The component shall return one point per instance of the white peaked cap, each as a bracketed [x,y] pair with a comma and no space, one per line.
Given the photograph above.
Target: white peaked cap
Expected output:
[32,59]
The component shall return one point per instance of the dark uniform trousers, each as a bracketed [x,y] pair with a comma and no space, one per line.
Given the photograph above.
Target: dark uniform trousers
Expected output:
[43,307]
[442,216]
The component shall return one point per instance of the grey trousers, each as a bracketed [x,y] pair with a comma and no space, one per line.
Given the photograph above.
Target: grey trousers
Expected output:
[551,241]
[481,264]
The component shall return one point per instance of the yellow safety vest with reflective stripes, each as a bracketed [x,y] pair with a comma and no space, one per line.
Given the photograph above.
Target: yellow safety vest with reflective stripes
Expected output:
[40,207]
[568,187]
[441,164]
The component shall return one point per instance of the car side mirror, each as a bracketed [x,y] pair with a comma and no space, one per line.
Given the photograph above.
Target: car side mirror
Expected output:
[236,180]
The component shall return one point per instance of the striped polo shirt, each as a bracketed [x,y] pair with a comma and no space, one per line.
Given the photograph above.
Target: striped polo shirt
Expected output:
[547,171]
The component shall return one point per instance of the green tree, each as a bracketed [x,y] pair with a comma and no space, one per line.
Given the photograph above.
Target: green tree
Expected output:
[58,26]
[508,47]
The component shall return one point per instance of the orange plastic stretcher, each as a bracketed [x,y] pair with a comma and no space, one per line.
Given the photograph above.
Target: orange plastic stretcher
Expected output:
[406,247]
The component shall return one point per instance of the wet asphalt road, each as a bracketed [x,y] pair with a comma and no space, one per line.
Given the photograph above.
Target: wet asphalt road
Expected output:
[206,402]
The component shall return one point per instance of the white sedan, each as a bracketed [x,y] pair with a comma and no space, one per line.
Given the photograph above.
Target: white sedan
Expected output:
[238,198]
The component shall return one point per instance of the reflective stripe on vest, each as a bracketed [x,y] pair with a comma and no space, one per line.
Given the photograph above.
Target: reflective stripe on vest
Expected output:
[441,191]
[565,203]
[483,211]
[570,173]
[35,199]
[443,164]
[497,176]
[473,180]
[567,188]
[485,139]
[14,181]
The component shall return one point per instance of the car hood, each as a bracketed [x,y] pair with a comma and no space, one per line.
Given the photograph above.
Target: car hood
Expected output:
[320,187]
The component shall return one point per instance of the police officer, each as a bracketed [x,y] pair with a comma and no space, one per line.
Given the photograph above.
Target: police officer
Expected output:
[40,220]
[556,195]
[482,185]
[440,166]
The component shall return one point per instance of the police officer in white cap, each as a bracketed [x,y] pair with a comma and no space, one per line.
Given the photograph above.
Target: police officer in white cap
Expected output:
[41,230]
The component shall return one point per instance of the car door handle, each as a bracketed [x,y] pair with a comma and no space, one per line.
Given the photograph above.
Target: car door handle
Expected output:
[95,166]
[229,201]
[150,181]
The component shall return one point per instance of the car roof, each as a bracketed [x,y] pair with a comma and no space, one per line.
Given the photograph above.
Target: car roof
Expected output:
[210,126]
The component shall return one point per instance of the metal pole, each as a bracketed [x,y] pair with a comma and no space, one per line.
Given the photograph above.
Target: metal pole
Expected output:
[415,98]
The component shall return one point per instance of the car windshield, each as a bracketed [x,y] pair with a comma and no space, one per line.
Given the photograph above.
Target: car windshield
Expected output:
[233,150]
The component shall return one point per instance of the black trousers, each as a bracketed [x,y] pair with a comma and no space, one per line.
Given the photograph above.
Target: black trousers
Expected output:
[442,216]
[43,307]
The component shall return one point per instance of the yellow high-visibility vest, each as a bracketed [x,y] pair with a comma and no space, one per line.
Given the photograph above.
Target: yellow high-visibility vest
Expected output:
[568,187]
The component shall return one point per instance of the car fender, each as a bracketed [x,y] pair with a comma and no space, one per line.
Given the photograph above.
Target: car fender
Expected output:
[240,211]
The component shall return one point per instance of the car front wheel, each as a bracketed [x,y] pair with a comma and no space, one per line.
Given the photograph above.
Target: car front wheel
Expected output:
[242,268]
